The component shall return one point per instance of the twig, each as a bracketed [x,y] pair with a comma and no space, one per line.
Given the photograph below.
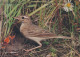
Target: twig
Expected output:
[73,49]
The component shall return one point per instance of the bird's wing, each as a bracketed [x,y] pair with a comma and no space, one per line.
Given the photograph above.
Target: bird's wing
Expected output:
[44,35]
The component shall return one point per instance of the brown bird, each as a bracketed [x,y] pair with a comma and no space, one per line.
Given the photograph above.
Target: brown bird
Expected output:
[34,32]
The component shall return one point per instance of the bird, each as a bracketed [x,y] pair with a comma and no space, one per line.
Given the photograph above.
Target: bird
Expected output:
[35,32]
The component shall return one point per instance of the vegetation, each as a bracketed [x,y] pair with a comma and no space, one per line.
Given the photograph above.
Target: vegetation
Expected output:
[48,14]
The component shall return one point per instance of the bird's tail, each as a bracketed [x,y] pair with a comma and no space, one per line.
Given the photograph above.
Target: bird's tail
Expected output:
[45,38]
[58,37]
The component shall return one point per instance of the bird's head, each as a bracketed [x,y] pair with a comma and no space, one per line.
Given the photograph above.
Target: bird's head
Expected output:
[23,19]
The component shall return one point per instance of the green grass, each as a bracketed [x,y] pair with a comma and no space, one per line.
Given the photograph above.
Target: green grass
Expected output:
[49,14]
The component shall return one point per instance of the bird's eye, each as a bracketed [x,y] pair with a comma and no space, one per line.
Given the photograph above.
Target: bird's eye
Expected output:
[22,17]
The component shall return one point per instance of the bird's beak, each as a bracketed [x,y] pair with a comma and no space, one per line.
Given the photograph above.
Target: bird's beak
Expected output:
[16,18]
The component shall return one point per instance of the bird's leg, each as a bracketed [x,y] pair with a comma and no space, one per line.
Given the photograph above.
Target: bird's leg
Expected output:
[34,47]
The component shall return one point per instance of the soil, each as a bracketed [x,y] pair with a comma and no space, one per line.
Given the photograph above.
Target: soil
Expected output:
[50,48]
